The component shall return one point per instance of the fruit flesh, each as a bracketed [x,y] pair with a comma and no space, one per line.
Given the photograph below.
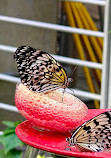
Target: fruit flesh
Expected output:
[51,111]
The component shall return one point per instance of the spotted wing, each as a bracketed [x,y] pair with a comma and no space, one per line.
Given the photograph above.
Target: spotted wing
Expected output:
[95,134]
[38,70]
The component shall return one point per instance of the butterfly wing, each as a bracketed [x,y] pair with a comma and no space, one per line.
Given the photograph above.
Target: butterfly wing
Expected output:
[93,135]
[38,70]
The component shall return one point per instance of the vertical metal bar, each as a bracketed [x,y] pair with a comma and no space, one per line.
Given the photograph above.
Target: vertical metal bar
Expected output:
[31,152]
[109,95]
[106,58]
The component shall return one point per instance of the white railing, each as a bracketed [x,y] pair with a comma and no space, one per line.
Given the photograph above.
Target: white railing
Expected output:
[51,26]
[8,107]
[95,2]
[61,59]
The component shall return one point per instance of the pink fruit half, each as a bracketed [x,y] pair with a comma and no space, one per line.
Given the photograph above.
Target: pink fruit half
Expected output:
[50,111]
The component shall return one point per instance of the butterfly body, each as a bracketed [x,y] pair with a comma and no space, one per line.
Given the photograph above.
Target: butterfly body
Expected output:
[39,71]
[93,135]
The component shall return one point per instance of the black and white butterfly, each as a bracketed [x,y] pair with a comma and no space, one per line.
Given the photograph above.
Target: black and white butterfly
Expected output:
[39,71]
[93,135]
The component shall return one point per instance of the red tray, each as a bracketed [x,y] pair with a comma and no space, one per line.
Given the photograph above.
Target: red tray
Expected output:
[56,142]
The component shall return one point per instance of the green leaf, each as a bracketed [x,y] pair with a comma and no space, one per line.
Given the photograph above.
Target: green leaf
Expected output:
[17,123]
[1,139]
[16,153]
[3,155]
[12,154]
[10,142]
[11,124]
[9,131]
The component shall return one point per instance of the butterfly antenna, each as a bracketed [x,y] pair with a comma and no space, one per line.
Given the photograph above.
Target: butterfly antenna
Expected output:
[74,70]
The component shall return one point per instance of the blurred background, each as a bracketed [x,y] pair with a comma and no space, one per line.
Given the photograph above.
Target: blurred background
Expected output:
[76,33]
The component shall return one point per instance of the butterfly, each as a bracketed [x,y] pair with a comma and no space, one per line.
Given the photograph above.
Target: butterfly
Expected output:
[93,135]
[39,71]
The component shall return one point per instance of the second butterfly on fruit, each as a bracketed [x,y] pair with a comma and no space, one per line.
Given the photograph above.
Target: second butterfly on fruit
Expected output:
[93,135]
